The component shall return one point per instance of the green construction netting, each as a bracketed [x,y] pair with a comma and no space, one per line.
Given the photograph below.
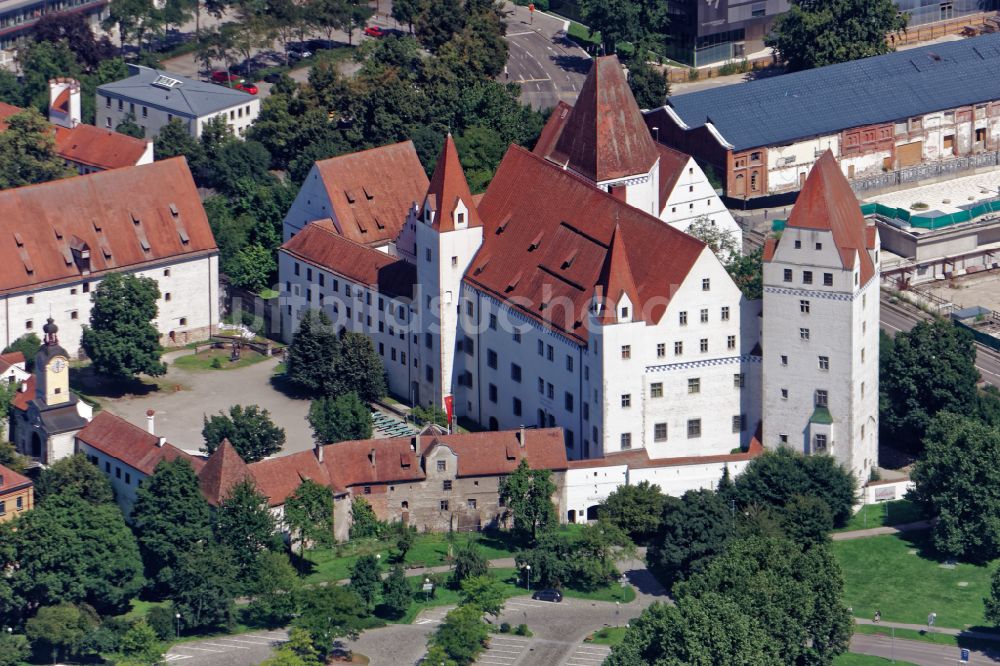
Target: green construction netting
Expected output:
[915,219]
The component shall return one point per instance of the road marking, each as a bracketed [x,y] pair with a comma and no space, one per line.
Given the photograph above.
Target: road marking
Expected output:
[177,657]
[229,647]
[547,78]
[519,34]
[236,640]
[191,647]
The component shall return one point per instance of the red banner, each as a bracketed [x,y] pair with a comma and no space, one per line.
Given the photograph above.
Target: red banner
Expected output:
[449,407]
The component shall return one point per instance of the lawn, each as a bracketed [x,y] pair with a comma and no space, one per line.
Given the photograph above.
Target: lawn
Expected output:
[852,659]
[886,513]
[429,549]
[901,575]
[607,636]
[204,360]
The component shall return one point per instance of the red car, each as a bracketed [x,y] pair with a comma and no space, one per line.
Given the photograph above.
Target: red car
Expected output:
[246,87]
[374,31]
[225,77]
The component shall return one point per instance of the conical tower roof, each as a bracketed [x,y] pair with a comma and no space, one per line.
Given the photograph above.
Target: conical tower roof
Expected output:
[448,186]
[224,469]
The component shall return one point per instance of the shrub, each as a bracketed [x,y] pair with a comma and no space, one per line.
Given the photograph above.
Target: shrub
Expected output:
[161,619]
[505,627]
[522,630]
[217,363]
[693,74]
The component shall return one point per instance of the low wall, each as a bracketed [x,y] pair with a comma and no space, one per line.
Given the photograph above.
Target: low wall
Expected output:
[885,491]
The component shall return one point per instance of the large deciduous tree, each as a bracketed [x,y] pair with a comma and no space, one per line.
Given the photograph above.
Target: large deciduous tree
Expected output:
[28,151]
[70,550]
[527,494]
[329,613]
[693,530]
[169,517]
[816,33]
[649,85]
[358,368]
[956,480]
[923,371]
[203,586]
[366,580]
[637,509]
[311,354]
[249,429]
[77,476]
[121,340]
[309,514]
[340,419]
[245,524]
[61,628]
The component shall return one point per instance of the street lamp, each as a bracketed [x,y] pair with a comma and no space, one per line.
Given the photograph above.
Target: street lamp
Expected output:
[527,576]
[177,616]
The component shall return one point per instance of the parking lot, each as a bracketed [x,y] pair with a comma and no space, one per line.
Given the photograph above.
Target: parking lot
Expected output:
[236,650]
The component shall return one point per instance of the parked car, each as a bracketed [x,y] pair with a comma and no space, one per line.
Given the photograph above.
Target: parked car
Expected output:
[246,87]
[224,77]
[547,595]
[299,51]
[374,31]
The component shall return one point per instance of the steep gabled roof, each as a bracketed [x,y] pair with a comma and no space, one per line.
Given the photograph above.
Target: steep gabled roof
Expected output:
[372,191]
[11,481]
[672,163]
[616,278]
[500,452]
[279,478]
[827,203]
[124,218]
[547,235]
[320,245]
[117,438]
[86,144]
[448,186]
[223,470]
[604,136]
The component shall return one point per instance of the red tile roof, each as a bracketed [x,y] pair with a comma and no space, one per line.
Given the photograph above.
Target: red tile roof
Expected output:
[86,144]
[22,398]
[672,163]
[223,470]
[639,458]
[320,245]
[372,191]
[126,218]
[11,480]
[827,203]
[448,186]
[13,358]
[604,137]
[553,128]
[548,234]
[383,461]
[119,439]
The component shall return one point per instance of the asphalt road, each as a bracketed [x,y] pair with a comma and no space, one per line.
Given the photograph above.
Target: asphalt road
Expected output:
[916,652]
[238,650]
[894,318]
[548,66]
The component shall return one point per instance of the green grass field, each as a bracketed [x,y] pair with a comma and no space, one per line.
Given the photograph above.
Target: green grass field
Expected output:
[204,360]
[886,513]
[852,659]
[902,576]
[607,636]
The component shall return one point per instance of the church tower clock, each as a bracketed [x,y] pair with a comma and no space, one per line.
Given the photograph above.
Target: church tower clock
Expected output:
[52,369]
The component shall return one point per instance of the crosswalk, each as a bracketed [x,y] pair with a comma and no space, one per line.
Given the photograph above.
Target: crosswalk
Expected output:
[589,654]
[504,650]
[433,615]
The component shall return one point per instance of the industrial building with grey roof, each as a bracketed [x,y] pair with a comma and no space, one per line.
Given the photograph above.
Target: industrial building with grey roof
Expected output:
[866,107]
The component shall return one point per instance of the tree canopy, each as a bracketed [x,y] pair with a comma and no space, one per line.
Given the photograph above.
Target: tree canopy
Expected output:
[245,525]
[637,509]
[28,151]
[694,529]
[923,371]
[309,514]
[527,494]
[340,419]
[249,429]
[121,340]
[77,476]
[816,33]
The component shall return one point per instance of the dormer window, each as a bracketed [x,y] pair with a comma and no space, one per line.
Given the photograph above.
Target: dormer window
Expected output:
[625,312]
[459,219]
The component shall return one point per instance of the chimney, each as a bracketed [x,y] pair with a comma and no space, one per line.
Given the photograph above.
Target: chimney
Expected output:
[151,421]
[64,102]
[520,436]
[319,453]
[1,480]
[160,441]
[371,457]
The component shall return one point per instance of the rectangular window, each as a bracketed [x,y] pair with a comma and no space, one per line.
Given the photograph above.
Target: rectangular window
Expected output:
[472,503]
[804,306]
[819,246]
[683,317]
[820,442]
[705,284]
[118,472]
[725,313]
[569,363]
[659,432]
[827,279]
[824,362]
[626,352]
[661,350]
[568,401]
[678,348]
[428,340]
[731,342]
[298,268]
[626,440]
[626,399]
[694,428]
[788,275]
[442,466]
[493,322]
[517,407]
[541,348]
[517,337]
[491,358]
[739,423]
[694,385]
[804,333]
[738,379]
[807,277]
[656,390]
[704,315]
[469,308]
[128,479]
[444,505]
[549,352]
[784,360]
[515,372]
[429,373]
[549,390]
[784,394]
[821,398]
[703,345]
[493,393]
